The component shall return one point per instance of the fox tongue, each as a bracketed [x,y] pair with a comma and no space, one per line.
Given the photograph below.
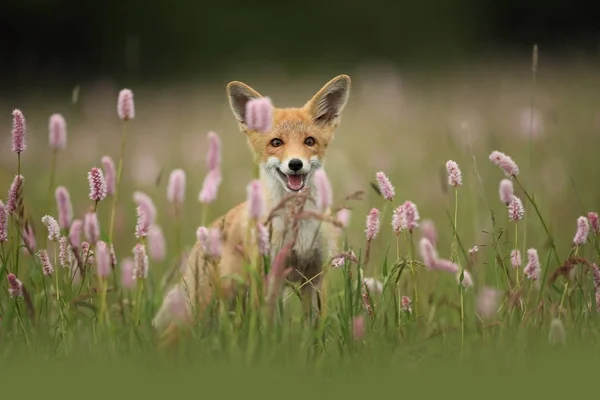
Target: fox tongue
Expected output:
[295,182]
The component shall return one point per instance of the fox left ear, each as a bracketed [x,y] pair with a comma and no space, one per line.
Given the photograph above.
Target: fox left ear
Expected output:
[239,94]
[327,105]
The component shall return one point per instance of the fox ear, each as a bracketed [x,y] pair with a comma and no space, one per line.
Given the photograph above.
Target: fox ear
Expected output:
[239,94]
[327,105]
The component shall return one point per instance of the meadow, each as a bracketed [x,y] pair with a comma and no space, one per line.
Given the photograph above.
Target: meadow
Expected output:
[420,314]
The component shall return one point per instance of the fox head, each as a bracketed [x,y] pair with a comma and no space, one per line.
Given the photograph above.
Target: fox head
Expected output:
[294,148]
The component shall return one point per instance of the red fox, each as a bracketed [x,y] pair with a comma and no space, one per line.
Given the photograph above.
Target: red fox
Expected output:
[287,157]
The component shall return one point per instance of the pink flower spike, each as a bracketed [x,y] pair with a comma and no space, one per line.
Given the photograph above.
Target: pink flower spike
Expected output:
[210,187]
[140,262]
[18,132]
[13,194]
[428,231]
[259,114]
[406,304]
[323,186]
[385,186]
[97,184]
[47,268]
[372,224]
[515,258]
[515,209]
[358,328]
[75,233]
[202,236]
[65,208]
[157,246]
[257,207]
[428,253]
[446,265]
[213,157]
[109,174]
[3,223]
[594,223]
[127,280]
[91,227]
[487,302]
[505,163]
[15,287]
[467,281]
[52,226]
[410,216]
[103,260]
[143,201]
[176,187]
[57,130]
[142,225]
[344,217]
[583,229]
[263,240]
[29,238]
[533,269]
[65,255]
[454,174]
[506,191]
[125,105]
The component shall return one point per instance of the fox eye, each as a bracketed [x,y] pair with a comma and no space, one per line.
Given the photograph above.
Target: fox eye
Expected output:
[309,141]
[276,142]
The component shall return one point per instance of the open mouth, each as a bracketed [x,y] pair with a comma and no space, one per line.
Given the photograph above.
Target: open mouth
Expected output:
[295,183]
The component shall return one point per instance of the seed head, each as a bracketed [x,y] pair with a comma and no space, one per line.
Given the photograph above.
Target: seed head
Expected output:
[594,223]
[515,258]
[18,132]
[515,209]
[323,186]
[506,191]
[91,227]
[210,187]
[97,184]
[3,223]
[259,114]
[213,157]
[125,105]
[57,130]
[65,208]
[15,287]
[103,260]
[140,262]
[75,233]
[385,186]
[47,267]
[257,207]
[109,174]
[506,163]
[176,187]
[372,224]
[583,229]
[454,174]
[157,246]
[52,226]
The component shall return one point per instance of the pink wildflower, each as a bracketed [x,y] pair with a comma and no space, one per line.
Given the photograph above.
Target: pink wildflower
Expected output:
[15,287]
[596,271]
[410,216]
[97,184]
[127,279]
[13,194]
[29,238]
[125,105]
[372,224]
[156,243]
[178,307]
[176,187]
[515,258]
[91,227]
[109,174]
[593,219]
[428,231]
[18,132]
[210,187]
[358,327]
[144,201]
[487,302]
[515,209]
[202,236]
[213,157]
[259,114]
[3,223]
[506,163]
[52,226]
[140,262]
[257,207]
[467,281]
[103,260]
[454,174]
[343,216]
[428,253]
[406,304]
[532,270]
[506,191]
[323,186]
[385,186]
[583,229]
[65,208]
[214,242]
[75,233]
[65,254]
[47,267]
[446,265]
[263,239]
[57,132]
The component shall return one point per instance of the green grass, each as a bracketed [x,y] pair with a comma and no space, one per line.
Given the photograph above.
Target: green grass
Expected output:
[409,133]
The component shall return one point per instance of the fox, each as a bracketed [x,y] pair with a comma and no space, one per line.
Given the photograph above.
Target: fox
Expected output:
[287,157]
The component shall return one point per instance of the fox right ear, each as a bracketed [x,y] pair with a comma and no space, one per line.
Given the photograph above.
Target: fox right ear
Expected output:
[239,94]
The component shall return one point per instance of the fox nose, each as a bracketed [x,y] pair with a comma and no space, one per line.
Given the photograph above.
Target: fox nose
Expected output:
[295,164]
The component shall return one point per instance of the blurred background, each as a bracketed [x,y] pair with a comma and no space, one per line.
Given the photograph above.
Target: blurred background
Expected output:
[432,81]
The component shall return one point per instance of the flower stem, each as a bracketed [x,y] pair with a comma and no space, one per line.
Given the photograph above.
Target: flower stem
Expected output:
[116,195]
